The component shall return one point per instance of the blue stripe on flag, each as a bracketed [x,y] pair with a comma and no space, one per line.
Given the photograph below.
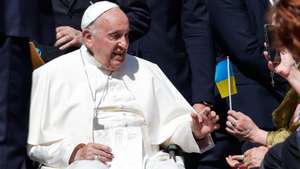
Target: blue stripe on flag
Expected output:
[221,71]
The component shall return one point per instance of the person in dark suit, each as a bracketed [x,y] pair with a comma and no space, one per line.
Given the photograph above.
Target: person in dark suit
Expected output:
[18,23]
[291,152]
[67,14]
[238,29]
[284,155]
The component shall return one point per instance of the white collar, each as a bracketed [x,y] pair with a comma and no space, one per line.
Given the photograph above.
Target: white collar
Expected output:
[88,58]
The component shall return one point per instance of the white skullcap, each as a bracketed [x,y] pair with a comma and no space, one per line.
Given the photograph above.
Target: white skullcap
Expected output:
[94,11]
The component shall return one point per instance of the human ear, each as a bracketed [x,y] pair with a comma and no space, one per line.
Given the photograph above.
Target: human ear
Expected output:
[87,38]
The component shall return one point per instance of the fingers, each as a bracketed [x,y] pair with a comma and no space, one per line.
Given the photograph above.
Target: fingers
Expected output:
[96,151]
[212,115]
[67,37]
[61,31]
[239,121]
[196,117]
[271,66]
[266,55]
[204,122]
[248,160]
[230,130]
[198,107]
[234,114]
[230,126]
[61,28]
[103,157]
[103,152]
[205,116]
[238,157]
[254,156]
[214,118]
[231,123]
[102,147]
[202,115]
[68,44]
[233,161]
[205,113]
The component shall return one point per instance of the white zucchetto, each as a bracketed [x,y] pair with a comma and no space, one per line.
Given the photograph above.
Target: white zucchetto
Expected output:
[94,11]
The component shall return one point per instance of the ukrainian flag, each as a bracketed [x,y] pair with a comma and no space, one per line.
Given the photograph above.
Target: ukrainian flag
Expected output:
[224,79]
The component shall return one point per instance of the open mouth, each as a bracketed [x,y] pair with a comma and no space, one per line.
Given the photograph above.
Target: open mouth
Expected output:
[119,56]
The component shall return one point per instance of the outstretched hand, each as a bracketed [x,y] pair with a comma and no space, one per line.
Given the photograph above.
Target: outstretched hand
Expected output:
[252,158]
[236,161]
[204,122]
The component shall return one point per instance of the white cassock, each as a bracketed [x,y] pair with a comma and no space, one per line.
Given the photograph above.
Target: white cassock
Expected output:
[132,110]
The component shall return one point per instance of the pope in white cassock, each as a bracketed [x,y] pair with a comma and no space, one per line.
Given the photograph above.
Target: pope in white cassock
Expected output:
[100,108]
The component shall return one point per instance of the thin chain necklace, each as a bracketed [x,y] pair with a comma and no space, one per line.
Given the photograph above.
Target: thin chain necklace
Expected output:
[96,106]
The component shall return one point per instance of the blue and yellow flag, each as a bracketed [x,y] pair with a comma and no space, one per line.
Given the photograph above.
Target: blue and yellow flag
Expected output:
[226,86]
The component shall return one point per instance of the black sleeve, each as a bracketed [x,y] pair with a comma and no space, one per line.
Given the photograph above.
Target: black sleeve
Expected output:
[242,40]
[139,17]
[198,42]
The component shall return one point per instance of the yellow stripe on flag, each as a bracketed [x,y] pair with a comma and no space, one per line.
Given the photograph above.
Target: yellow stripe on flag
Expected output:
[223,87]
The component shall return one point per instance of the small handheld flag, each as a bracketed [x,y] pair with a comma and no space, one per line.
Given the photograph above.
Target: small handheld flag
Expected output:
[36,59]
[225,80]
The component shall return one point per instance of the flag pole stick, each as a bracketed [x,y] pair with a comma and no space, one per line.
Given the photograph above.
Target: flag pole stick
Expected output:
[229,84]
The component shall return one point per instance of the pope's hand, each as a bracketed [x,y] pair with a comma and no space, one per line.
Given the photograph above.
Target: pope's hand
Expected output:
[94,151]
[204,122]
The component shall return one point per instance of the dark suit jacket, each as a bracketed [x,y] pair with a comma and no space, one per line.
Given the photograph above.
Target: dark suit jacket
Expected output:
[179,41]
[291,151]
[238,26]
[18,20]
[69,13]
[284,155]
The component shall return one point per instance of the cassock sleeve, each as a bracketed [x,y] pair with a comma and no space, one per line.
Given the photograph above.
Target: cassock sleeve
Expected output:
[189,144]
[53,155]
[45,141]
[175,116]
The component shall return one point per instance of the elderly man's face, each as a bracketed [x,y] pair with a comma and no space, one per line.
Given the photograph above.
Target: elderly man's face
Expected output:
[109,41]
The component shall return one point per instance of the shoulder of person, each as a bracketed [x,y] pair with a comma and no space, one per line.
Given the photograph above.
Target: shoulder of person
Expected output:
[59,64]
